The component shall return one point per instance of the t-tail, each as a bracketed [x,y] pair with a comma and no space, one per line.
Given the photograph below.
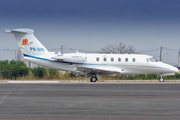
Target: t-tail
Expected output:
[27,42]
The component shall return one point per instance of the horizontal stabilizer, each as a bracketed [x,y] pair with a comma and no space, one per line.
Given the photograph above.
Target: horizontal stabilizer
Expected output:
[21,30]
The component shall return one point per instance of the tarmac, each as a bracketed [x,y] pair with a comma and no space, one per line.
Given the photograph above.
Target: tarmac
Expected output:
[84,81]
[90,101]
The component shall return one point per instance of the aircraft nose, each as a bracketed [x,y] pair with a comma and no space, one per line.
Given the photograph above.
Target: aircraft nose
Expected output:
[170,68]
[175,69]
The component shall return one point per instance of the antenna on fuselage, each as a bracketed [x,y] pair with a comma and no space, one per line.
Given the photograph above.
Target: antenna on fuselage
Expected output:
[160,53]
[62,49]
[77,51]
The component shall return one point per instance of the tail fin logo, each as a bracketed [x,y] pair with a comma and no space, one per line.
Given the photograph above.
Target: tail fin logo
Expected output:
[25,42]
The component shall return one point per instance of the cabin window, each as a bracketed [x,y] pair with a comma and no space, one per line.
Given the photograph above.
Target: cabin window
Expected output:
[112,59]
[147,59]
[119,59]
[97,59]
[105,59]
[133,59]
[126,59]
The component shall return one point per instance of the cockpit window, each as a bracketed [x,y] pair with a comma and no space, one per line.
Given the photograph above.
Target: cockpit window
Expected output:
[151,59]
[147,59]
[155,59]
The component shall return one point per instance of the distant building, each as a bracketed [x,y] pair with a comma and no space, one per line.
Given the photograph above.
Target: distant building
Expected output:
[29,64]
[19,57]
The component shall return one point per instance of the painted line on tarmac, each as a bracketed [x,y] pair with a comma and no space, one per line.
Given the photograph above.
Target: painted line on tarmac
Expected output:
[32,81]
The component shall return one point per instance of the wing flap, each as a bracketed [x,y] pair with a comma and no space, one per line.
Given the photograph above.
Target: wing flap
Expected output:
[101,69]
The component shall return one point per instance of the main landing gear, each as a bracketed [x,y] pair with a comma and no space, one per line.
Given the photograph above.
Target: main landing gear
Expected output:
[97,77]
[93,79]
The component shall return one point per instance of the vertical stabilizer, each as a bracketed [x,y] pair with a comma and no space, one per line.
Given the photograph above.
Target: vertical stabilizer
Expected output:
[27,42]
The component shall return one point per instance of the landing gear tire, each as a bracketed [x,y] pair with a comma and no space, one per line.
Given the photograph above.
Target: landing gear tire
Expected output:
[161,79]
[93,79]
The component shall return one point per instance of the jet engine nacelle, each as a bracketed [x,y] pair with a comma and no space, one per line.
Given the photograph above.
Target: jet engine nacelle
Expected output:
[71,57]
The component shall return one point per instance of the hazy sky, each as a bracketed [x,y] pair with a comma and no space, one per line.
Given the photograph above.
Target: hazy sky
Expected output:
[90,25]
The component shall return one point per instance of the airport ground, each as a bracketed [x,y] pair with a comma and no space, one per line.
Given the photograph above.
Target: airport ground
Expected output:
[90,101]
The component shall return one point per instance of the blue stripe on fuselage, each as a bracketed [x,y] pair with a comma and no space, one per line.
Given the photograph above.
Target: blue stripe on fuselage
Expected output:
[25,55]
[36,57]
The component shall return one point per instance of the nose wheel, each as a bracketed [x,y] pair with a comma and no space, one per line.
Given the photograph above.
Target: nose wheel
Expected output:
[161,79]
[93,79]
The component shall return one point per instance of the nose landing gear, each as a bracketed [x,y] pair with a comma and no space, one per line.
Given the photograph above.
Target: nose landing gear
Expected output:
[161,79]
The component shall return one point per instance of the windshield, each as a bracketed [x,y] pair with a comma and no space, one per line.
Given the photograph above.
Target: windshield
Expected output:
[155,59]
[152,59]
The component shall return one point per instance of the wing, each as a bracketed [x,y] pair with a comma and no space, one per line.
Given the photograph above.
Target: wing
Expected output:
[102,70]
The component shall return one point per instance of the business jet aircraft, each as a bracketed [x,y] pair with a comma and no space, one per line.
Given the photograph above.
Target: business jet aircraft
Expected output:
[95,65]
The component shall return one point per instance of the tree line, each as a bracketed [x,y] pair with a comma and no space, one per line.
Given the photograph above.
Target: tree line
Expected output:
[14,69]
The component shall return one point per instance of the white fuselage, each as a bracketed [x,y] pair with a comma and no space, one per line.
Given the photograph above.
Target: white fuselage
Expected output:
[123,64]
